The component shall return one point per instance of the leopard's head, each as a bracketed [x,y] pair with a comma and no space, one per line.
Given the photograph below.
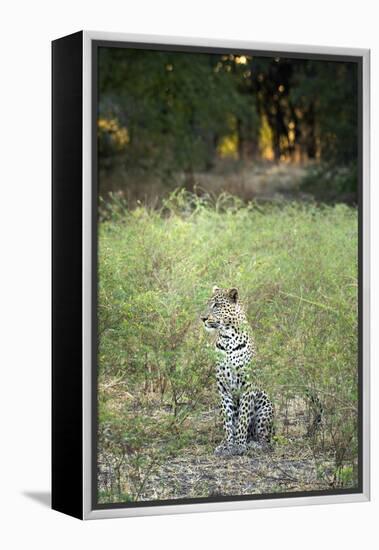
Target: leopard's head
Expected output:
[223,310]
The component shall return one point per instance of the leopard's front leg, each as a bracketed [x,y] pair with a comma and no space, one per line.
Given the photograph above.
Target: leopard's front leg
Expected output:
[229,418]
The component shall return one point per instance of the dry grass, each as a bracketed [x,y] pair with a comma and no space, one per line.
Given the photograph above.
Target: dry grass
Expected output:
[291,466]
[254,180]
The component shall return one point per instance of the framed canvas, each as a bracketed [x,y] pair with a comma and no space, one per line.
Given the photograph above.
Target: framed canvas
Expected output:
[210,275]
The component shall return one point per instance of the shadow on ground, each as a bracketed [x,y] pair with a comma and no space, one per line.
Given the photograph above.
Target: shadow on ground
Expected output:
[41,497]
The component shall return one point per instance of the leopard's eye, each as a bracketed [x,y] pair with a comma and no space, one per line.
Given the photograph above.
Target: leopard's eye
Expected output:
[215,305]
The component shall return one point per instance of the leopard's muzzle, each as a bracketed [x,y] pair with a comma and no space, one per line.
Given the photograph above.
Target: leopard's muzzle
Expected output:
[210,324]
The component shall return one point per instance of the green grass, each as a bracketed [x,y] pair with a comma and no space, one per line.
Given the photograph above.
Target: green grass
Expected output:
[295,266]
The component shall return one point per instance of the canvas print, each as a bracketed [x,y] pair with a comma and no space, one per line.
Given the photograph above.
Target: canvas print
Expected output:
[227,275]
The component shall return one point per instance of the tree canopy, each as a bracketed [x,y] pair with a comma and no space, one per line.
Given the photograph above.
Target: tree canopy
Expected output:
[163,112]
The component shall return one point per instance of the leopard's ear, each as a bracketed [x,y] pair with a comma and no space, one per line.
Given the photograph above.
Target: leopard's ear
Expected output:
[215,289]
[233,294]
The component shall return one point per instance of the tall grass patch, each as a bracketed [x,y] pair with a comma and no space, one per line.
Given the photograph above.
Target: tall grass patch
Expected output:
[295,266]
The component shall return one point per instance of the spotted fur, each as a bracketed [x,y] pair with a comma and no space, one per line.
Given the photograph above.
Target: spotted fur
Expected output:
[247,410]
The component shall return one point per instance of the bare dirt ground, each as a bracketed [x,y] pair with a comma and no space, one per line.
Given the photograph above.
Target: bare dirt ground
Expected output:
[291,466]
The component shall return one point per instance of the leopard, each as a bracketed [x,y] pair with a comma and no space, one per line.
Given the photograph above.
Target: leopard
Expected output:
[247,411]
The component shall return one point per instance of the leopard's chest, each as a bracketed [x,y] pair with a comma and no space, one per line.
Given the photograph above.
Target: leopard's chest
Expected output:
[231,373]
[235,352]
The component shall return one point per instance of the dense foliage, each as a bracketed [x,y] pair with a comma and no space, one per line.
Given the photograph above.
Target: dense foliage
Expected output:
[295,267]
[163,112]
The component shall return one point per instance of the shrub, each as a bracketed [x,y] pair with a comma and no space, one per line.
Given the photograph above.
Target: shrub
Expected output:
[296,269]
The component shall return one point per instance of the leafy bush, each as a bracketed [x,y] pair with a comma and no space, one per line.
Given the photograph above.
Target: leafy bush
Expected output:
[295,266]
[329,182]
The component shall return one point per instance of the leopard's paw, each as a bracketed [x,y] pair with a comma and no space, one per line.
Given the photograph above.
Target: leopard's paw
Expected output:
[224,449]
[238,450]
